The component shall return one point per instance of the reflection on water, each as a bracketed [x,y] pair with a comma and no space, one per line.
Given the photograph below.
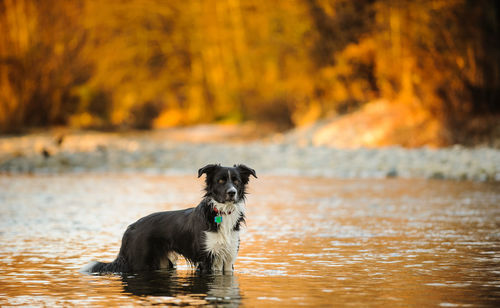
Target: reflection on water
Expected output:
[308,241]
[176,287]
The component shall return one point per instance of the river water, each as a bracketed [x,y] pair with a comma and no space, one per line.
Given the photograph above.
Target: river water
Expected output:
[308,241]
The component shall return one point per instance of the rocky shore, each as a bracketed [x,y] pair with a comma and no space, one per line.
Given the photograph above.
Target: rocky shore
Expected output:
[175,152]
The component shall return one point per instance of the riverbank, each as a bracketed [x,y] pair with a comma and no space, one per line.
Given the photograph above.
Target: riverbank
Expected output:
[184,151]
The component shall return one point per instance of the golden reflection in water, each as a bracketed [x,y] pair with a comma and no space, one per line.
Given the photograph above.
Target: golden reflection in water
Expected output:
[312,241]
[43,281]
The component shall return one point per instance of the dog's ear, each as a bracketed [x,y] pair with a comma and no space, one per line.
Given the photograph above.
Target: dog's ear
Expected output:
[245,172]
[208,169]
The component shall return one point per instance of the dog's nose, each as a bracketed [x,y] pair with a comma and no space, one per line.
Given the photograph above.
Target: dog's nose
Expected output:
[231,192]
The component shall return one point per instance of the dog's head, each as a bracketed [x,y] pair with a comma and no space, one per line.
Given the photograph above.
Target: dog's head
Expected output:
[226,184]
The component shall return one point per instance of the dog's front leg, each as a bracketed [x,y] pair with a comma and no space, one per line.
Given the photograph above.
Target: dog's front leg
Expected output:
[228,267]
[233,251]
[218,264]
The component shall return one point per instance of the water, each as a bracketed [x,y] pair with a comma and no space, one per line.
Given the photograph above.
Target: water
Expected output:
[312,241]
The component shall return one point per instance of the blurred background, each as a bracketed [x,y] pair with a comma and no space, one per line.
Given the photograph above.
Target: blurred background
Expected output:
[411,73]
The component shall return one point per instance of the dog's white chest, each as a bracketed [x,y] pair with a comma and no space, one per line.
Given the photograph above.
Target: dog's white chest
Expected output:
[223,244]
[225,241]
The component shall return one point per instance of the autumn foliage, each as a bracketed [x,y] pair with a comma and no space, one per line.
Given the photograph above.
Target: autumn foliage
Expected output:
[143,64]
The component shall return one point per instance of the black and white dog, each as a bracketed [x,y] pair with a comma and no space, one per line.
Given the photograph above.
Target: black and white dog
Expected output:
[206,236]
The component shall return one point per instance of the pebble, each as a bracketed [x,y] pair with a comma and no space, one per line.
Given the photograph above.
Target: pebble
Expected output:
[101,152]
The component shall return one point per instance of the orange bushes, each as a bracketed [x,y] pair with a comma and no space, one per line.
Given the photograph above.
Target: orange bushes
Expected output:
[155,64]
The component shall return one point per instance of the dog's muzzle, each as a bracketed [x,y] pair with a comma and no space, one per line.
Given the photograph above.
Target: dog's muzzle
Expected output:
[231,194]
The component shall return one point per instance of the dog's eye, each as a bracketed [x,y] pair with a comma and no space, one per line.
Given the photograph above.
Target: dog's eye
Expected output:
[236,182]
[222,181]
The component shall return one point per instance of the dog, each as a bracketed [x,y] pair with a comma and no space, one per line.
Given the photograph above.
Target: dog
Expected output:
[207,235]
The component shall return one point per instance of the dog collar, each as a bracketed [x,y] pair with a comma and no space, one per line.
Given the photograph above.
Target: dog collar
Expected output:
[221,212]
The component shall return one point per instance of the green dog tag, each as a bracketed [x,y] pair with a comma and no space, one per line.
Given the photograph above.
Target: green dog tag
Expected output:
[218,219]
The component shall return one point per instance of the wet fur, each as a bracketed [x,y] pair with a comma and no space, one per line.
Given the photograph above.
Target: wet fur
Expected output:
[154,242]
